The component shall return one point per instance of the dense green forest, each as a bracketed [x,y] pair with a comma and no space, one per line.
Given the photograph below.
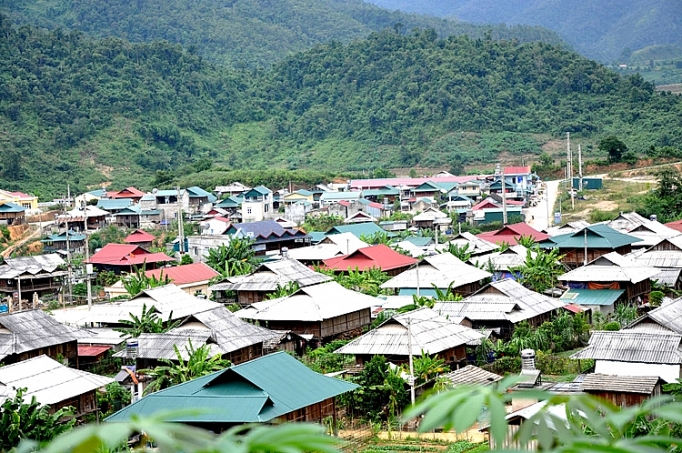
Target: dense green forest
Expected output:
[243,33]
[605,30]
[83,111]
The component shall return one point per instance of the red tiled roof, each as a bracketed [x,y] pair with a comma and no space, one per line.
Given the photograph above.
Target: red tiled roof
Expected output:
[187,273]
[127,255]
[344,203]
[485,204]
[91,351]
[381,256]
[510,233]
[139,236]
[516,170]
[676,225]
[574,308]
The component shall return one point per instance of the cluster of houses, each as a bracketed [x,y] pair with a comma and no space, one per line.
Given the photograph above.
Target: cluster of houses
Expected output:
[606,265]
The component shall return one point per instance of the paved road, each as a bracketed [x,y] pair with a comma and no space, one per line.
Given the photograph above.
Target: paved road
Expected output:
[536,216]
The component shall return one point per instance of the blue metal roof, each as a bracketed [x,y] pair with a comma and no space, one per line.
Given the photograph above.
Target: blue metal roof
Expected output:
[592,296]
[114,203]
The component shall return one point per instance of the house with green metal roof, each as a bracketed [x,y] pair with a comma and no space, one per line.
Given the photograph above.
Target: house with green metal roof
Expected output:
[66,240]
[359,229]
[194,199]
[269,389]
[114,205]
[230,203]
[594,240]
[386,192]
[11,213]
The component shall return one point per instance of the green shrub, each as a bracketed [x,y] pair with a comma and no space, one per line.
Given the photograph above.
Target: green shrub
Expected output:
[612,326]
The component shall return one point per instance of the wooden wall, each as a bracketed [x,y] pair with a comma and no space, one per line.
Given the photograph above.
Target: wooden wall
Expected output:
[68,350]
[344,323]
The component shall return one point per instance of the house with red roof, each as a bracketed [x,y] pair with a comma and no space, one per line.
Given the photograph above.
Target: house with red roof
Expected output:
[129,192]
[141,238]
[377,256]
[519,176]
[126,257]
[191,278]
[676,225]
[511,233]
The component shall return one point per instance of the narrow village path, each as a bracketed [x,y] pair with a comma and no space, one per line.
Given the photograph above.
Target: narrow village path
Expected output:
[541,216]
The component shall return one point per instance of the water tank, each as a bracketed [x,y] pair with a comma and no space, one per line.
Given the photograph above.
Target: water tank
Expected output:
[527,359]
[131,348]
[653,217]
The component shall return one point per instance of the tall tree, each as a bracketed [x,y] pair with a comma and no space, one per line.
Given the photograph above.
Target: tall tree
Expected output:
[614,147]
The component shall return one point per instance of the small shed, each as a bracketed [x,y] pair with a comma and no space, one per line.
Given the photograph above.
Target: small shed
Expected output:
[622,391]
[472,375]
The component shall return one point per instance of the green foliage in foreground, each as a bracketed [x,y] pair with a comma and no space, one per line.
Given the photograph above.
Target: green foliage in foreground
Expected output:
[566,423]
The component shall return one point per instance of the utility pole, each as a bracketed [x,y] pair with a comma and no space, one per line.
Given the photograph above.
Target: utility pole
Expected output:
[585,246]
[181,226]
[570,168]
[88,269]
[504,199]
[580,169]
[409,355]
[68,257]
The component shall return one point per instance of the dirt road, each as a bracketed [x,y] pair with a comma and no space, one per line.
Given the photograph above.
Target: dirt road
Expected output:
[8,251]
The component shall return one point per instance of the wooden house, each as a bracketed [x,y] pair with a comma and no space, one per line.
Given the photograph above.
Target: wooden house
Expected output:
[32,333]
[65,241]
[22,277]
[224,333]
[473,244]
[504,263]
[423,330]
[84,218]
[502,304]
[442,271]
[54,384]
[265,279]
[666,256]
[130,193]
[594,240]
[666,318]
[271,389]
[320,312]
[329,247]
[269,236]
[613,271]
[510,234]
[650,232]
[120,258]
[622,391]
[429,218]
[140,238]
[633,352]
[11,213]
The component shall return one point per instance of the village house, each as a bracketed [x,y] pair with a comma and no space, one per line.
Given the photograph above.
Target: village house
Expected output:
[271,389]
[140,238]
[196,200]
[649,231]
[224,333]
[120,258]
[666,256]
[500,305]
[236,188]
[615,272]
[379,256]
[24,200]
[257,205]
[505,263]
[54,384]
[331,246]
[269,236]
[510,234]
[192,278]
[595,240]
[666,318]
[622,391]
[66,241]
[488,211]
[428,218]
[632,352]
[424,329]
[443,271]
[86,218]
[360,217]
[32,333]
[11,213]
[265,280]
[321,312]
[27,277]
[472,244]
[130,193]
[114,205]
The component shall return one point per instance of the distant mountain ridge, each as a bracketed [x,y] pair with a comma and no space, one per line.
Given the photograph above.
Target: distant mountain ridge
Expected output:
[605,30]
[243,33]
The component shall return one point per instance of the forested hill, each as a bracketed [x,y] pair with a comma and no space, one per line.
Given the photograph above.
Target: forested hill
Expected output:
[81,111]
[605,30]
[242,33]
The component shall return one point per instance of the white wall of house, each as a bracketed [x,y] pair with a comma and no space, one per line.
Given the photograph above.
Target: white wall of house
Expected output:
[669,373]
[199,245]
[255,211]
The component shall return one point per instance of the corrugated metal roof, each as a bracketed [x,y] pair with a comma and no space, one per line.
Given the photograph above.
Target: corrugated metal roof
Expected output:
[439,270]
[91,351]
[139,236]
[503,299]
[33,265]
[632,346]
[376,256]
[472,375]
[32,329]
[592,296]
[598,236]
[477,246]
[270,274]
[611,267]
[256,391]
[668,316]
[50,381]
[359,229]
[310,304]
[596,382]
[114,203]
[126,255]
[510,233]
[185,273]
[431,333]
[167,300]
[513,257]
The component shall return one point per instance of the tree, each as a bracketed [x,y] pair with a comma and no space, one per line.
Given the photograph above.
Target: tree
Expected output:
[235,258]
[540,270]
[147,322]
[186,259]
[283,290]
[137,281]
[373,398]
[460,252]
[426,367]
[21,420]
[612,146]
[199,363]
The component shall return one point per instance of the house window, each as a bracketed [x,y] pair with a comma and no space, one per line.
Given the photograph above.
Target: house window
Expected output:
[248,210]
[266,208]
